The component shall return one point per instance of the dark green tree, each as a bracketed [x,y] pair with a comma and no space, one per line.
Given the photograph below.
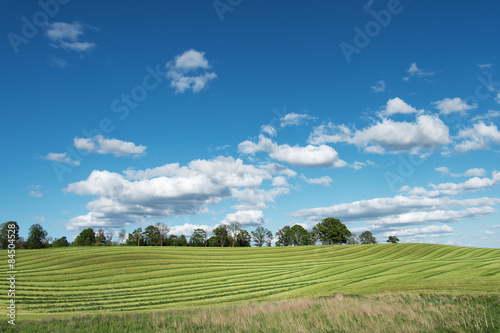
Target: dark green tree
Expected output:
[60,242]
[152,236]
[222,235]
[182,241]
[198,238]
[243,239]
[36,238]
[260,235]
[300,236]
[136,238]
[367,238]
[285,236]
[393,239]
[4,236]
[85,238]
[331,231]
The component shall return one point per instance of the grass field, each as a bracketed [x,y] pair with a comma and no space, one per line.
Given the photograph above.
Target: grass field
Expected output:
[65,282]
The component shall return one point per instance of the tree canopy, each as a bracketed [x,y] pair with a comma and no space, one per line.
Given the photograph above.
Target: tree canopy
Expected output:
[367,238]
[392,239]
[85,238]
[36,238]
[331,231]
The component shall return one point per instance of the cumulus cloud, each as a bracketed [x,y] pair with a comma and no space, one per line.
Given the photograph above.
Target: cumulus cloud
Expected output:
[294,119]
[60,157]
[379,86]
[100,145]
[452,105]
[478,137]
[189,71]
[427,132]
[397,105]
[247,218]
[187,229]
[309,156]
[69,36]
[170,190]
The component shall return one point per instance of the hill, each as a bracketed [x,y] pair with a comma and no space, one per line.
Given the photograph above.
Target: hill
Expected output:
[76,281]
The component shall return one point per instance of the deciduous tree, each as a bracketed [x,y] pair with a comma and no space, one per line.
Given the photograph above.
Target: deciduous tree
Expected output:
[331,231]
[367,238]
[393,239]
[260,235]
[36,238]
[85,238]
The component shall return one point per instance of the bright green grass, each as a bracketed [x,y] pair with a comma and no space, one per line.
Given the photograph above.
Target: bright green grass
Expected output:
[97,280]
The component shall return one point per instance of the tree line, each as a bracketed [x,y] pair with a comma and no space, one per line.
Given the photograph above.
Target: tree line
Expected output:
[329,231]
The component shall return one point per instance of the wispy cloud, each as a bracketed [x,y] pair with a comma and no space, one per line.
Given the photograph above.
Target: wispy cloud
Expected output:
[60,157]
[100,145]
[69,36]
[379,86]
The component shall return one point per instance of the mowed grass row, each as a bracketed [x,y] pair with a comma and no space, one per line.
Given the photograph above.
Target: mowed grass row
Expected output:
[70,281]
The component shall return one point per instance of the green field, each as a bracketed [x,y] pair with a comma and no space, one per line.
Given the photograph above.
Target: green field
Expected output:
[81,281]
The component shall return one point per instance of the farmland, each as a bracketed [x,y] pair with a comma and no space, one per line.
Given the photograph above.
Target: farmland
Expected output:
[71,282]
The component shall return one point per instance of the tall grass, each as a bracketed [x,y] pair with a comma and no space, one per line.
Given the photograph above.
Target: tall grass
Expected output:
[389,313]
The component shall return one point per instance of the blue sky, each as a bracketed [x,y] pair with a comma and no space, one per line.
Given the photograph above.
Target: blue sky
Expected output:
[383,114]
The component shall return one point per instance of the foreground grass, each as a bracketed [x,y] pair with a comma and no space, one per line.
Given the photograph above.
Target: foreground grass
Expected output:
[85,281]
[389,313]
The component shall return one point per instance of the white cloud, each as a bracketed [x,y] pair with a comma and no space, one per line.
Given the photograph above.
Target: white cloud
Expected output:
[427,132]
[247,218]
[432,229]
[35,191]
[101,145]
[470,185]
[475,172]
[444,170]
[482,66]
[477,137]
[489,232]
[39,219]
[187,229]
[309,156]
[60,157]
[415,71]
[268,129]
[325,180]
[280,181]
[451,105]
[294,119]
[489,115]
[379,86]
[397,105]
[189,72]
[170,190]
[69,36]
[357,165]
[417,206]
